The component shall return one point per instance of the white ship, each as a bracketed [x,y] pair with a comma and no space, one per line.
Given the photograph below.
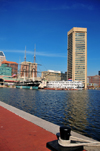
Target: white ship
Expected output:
[65,84]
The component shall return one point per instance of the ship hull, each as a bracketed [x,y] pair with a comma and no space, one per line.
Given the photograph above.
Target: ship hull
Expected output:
[27,87]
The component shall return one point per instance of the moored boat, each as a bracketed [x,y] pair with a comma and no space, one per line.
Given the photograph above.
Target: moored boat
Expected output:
[28,81]
[65,85]
[28,84]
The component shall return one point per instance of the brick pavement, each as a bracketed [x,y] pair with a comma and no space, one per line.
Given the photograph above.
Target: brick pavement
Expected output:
[18,134]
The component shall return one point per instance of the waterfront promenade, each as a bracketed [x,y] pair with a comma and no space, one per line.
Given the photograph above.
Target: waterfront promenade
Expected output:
[21,131]
[18,134]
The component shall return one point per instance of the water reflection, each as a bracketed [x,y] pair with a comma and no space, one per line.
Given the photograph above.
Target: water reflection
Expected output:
[75,110]
[78,109]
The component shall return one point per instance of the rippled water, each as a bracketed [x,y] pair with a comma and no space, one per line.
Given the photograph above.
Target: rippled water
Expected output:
[78,109]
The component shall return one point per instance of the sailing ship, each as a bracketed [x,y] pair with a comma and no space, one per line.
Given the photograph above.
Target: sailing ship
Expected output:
[28,83]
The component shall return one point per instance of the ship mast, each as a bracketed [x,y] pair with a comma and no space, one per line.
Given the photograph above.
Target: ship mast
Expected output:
[25,62]
[19,73]
[34,60]
[25,55]
[34,53]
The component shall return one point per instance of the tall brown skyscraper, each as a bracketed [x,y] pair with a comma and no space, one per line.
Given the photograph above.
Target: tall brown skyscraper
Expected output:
[77,55]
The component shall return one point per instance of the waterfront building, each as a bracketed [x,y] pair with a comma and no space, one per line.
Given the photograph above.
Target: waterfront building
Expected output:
[2,57]
[28,70]
[11,65]
[5,70]
[51,75]
[77,55]
[64,76]
[94,80]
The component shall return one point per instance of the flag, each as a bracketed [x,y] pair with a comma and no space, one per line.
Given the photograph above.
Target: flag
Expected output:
[69,79]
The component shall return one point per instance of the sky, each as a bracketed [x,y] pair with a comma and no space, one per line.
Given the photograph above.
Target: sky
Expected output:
[43,24]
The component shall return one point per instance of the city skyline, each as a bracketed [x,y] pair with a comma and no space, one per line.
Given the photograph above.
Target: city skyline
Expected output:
[46,23]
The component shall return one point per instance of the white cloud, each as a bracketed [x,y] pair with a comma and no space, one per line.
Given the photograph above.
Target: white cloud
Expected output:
[37,53]
[66,7]
[82,6]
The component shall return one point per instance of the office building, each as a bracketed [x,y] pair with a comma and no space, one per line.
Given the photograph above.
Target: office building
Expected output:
[2,57]
[77,55]
[5,70]
[51,75]
[98,72]
[64,76]
[12,65]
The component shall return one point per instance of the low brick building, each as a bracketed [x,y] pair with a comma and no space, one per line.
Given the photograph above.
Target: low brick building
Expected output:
[94,80]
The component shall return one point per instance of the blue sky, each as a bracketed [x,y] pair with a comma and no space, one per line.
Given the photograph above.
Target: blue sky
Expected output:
[46,23]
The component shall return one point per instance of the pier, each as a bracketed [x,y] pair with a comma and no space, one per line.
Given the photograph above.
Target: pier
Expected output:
[25,132]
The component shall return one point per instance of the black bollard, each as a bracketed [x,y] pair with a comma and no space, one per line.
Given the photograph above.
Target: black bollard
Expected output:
[65,132]
[64,142]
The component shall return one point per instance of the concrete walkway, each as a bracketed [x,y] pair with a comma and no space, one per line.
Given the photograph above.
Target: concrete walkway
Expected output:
[18,134]
[21,131]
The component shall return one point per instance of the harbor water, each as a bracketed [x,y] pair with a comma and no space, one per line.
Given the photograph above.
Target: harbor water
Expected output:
[78,109]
